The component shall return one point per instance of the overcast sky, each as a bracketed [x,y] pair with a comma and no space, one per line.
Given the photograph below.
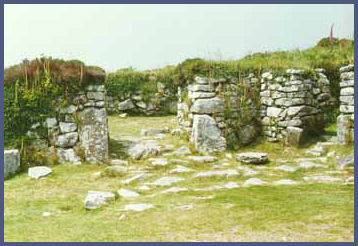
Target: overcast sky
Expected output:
[151,36]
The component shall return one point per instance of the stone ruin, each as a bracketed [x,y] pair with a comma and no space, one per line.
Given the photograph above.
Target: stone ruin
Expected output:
[161,101]
[293,105]
[345,120]
[207,111]
[290,107]
[80,130]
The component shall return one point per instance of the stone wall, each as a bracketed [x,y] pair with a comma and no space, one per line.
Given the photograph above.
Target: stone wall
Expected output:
[345,120]
[208,109]
[221,113]
[162,101]
[79,132]
[293,105]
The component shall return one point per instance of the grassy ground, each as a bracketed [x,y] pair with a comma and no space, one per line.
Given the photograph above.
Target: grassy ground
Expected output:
[304,212]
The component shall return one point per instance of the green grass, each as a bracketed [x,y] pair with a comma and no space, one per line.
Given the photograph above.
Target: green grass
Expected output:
[305,212]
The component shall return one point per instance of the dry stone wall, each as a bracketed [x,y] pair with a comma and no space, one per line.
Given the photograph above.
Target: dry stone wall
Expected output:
[218,113]
[207,110]
[345,120]
[161,101]
[293,105]
[79,132]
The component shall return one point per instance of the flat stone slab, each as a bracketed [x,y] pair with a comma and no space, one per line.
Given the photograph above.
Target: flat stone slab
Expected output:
[285,182]
[254,182]
[166,181]
[139,207]
[286,168]
[119,162]
[252,157]
[174,190]
[127,193]
[321,179]
[180,169]
[159,162]
[96,199]
[228,185]
[217,173]
[39,172]
[309,164]
[134,178]
[202,159]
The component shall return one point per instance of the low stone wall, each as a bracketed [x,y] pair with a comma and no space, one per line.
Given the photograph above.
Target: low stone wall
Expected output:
[221,113]
[11,162]
[345,120]
[79,132]
[207,111]
[163,101]
[292,105]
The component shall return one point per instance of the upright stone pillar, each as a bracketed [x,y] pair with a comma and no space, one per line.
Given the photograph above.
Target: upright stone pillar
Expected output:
[93,129]
[345,120]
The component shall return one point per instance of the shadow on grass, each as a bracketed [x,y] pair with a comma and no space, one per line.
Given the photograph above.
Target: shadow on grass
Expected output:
[118,148]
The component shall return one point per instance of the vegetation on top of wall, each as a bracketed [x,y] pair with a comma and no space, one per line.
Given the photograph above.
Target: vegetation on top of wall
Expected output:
[327,54]
[128,81]
[32,90]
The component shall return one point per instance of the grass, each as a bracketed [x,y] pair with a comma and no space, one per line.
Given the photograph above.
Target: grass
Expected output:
[305,212]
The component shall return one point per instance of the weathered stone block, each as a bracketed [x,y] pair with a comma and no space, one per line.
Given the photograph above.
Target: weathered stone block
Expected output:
[66,140]
[11,162]
[126,105]
[66,127]
[68,156]
[347,91]
[274,112]
[208,106]
[346,109]
[197,95]
[204,88]
[206,136]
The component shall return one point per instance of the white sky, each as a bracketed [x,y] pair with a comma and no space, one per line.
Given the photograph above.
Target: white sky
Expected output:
[151,36]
